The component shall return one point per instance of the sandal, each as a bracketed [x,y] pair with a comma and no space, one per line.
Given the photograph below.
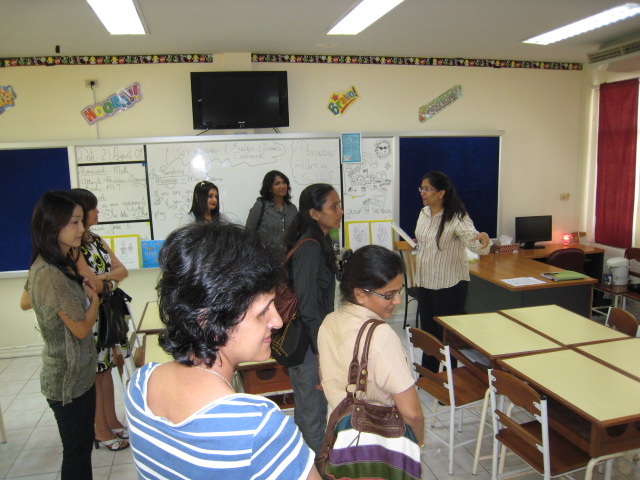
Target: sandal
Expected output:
[114,444]
[123,433]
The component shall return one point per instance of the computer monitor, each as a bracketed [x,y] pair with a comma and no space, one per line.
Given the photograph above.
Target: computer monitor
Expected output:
[530,230]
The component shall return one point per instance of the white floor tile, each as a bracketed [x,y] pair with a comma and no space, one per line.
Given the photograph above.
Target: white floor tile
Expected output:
[36,461]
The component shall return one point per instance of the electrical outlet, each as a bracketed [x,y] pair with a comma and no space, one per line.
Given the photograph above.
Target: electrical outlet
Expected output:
[91,83]
[564,196]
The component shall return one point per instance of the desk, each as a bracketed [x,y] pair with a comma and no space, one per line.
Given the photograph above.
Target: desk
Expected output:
[563,326]
[150,320]
[152,352]
[622,355]
[596,406]
[492,334]
[594,257]
[488,293]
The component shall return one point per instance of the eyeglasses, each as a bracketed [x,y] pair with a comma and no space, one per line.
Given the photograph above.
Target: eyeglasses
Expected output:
[426,189]
[389,296]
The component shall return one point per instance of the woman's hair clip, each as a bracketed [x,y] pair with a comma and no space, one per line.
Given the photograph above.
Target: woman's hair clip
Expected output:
[346,255]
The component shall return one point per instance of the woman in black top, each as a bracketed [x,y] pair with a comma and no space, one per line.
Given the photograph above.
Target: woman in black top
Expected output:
[312,269]
[273,211]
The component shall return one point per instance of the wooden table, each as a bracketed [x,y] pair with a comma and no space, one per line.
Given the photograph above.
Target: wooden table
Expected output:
[622,355]
[152,352]
[493,335]
[561,325]
[593,262]
[592,387]
[268,378]
[150,320]
[591,404]
[487,292]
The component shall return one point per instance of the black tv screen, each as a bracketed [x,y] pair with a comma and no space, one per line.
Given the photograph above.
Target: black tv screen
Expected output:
[228,100]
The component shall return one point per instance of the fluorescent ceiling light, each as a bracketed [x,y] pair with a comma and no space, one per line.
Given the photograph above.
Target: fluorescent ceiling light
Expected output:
[120,17]
[601,19]
[367,12]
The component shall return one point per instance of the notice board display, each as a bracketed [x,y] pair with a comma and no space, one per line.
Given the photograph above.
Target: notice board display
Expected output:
[25,175]
[472,163]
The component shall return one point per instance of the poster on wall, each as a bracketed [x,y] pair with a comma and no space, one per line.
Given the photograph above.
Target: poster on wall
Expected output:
[118,101]
[7,97]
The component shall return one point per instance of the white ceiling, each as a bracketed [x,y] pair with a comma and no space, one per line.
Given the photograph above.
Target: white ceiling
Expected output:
[485,29]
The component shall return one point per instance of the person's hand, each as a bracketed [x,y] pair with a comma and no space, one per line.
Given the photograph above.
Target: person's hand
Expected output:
[483,238]
[90,289]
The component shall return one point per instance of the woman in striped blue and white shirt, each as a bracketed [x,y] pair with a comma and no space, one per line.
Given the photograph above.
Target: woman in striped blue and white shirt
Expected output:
[442,273]
[216,294]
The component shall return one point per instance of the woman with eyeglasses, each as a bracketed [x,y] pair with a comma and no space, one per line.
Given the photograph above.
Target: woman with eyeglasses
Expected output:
[443,231]
[371,286]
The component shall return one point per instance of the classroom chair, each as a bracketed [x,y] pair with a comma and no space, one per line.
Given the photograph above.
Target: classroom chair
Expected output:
[567,259]
[623,321]
[456,388]
[541,448]
[411,288]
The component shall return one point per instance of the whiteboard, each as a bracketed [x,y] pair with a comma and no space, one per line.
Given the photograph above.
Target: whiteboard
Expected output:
[109,153]
[237,169]
[142,229]
[121,190]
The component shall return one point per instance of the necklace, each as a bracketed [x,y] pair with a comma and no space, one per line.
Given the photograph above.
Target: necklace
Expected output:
[213,372]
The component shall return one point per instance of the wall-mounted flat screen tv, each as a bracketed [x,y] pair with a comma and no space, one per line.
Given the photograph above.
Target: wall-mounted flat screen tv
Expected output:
[230,100]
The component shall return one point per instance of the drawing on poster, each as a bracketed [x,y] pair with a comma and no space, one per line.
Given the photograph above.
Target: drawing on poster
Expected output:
[358,235]
[381,234]
[127,249]
[368,185]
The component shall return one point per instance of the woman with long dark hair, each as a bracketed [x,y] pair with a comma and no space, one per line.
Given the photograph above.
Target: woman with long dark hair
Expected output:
[312,275]
[273,211]
[99,264]
[66,313]
[371,286]
[205,205]
[443,231]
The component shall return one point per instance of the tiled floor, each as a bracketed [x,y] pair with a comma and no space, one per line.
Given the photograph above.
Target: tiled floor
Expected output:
[34,450]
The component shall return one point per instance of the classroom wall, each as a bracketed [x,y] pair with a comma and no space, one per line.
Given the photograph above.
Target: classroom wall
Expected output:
[542,114]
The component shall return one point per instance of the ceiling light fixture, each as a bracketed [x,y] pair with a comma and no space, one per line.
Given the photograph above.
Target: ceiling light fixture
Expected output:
[363,15]
[601,19]
[120,17]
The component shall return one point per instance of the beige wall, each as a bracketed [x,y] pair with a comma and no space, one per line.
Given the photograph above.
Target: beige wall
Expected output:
[543,114]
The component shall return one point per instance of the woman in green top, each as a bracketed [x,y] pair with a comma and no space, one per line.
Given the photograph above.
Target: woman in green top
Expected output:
[66,308]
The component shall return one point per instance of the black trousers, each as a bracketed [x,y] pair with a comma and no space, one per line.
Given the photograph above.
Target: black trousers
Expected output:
[435,303]
[75,424]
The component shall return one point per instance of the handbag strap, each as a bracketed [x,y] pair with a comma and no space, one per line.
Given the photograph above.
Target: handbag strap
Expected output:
[358,369]
[295,247]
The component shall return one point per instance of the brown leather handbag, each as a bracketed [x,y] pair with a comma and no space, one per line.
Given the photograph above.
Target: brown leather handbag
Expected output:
[289,344]
[348,452]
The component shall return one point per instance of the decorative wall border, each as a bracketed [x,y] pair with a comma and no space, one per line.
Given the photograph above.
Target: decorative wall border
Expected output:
[421,61]
[106,60]
[286,58]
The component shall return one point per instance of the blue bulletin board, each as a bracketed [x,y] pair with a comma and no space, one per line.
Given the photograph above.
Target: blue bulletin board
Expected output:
[472,163]
[25,175]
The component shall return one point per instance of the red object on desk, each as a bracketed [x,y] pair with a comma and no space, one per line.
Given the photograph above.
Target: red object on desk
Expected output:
[567,238]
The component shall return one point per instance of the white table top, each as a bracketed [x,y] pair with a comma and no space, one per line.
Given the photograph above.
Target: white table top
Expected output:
[623,354]
[496,335]
[562,325]
[584,385]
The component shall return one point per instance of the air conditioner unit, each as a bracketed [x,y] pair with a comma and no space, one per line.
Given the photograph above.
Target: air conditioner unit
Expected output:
[620,57]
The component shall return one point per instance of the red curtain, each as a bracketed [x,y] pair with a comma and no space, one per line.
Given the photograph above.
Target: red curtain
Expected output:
[615,189]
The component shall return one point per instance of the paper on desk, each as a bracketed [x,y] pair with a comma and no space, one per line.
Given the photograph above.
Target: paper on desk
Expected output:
[404,235]
[521,281]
